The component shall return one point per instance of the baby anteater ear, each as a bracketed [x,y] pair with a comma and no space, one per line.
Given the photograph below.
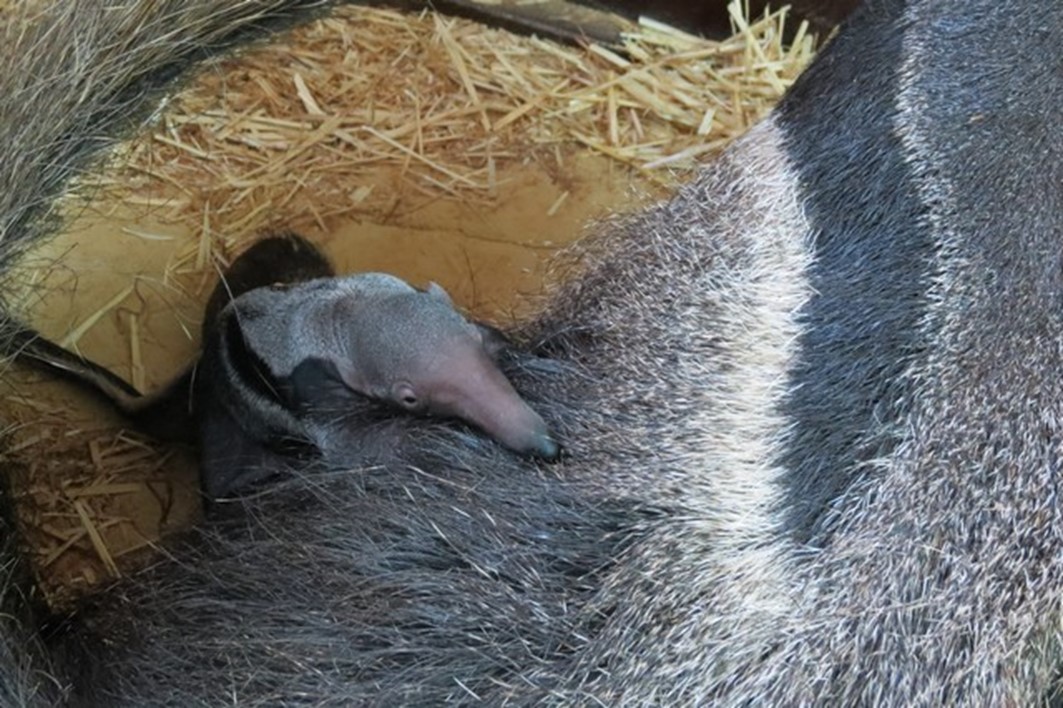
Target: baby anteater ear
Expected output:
[494,341]
[436,290]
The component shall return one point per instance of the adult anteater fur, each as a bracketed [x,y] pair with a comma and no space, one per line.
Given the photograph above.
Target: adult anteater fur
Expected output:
[814,411]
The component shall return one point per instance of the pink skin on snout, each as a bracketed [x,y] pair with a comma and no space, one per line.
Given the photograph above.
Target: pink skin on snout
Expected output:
[464,382]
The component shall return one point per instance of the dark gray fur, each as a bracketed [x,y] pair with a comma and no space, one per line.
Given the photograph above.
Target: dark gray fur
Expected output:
[852,395]
[813,405]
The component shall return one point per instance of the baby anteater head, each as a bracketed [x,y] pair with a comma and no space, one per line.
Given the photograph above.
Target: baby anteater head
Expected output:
[415,350]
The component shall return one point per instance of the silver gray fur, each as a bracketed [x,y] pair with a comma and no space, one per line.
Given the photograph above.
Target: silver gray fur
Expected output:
[813,405]
[290,324]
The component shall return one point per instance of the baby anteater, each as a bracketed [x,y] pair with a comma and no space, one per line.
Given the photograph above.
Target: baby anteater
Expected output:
[281,336]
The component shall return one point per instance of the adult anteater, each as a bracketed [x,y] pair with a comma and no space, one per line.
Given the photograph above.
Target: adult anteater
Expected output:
[812,407]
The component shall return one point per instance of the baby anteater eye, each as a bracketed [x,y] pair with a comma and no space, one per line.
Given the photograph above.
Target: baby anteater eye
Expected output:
[406,397]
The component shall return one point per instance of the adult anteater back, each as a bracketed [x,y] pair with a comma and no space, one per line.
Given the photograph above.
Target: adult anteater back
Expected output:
[812,406]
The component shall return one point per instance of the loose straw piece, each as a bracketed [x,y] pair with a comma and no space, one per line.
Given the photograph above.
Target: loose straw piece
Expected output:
[74,336]
[305,96]
[96,539]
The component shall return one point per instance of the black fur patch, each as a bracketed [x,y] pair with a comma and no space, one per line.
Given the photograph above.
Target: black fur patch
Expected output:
[870,273]
[248,366]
